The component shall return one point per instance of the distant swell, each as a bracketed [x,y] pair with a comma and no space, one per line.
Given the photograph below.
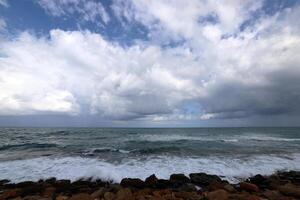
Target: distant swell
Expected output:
[27,146]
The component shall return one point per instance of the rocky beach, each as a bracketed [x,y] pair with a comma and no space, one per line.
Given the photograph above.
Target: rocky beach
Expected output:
[278,186]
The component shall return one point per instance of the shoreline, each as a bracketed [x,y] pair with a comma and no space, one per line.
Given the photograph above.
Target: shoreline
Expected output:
[283,185]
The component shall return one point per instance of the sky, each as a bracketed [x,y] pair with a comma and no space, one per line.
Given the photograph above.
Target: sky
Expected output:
[154,63]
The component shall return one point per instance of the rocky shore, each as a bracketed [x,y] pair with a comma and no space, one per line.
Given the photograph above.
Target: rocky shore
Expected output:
[279,186]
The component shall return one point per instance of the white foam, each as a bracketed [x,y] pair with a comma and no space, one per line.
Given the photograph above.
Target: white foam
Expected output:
[76,167]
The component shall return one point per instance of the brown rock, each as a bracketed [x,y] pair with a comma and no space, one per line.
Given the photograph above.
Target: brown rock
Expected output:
[81,196]
[217,195]
[98,193]
[124,194]
[290,190]
[109,196]
[274,195]
[203,179]
[229,188]
[187,195]
[62,197]
[49,191]
[249,187]
[13,193]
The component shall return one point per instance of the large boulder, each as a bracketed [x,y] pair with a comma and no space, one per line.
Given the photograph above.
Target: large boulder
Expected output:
[217,195]
[202,179]
[179,179]
[132,182]
[249,187]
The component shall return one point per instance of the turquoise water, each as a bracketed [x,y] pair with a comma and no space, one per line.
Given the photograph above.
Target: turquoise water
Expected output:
[234,153]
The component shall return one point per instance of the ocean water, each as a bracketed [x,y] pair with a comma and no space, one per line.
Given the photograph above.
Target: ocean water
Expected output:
[115,153]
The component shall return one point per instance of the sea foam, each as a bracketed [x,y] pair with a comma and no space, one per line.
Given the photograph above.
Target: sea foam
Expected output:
[232,169]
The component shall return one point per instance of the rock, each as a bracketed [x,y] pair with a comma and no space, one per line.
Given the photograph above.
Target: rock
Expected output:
[81,196]
[215,185]
[62,197]
[142,193]
[109,196]
[4,181]
[188,188]
[162,183]
[13,193]
[259,180]
[124,194]
[202,179]
[98,193]
[229,188]
[36,197]
[50,180]
[132,182]
[187,195]
[49,191]
[249,187]
[217,195]
[179,179]
[293,176]
[290,190]
[151,181]
[274,195]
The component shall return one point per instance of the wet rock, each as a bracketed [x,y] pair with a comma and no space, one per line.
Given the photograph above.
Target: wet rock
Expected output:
[217,195]
[290,190]
[202,179]
[179,179]
[132,182]
[151,181]
[124,194]
[81,196]
[50,180]
[293,176]
[188,188]
[162,183]
[261,181]
[35,197]
[249,187]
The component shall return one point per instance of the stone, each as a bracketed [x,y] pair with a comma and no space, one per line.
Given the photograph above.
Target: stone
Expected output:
[217,195]
[187,195]
[98,193]
[132,182]
[179,179]
[62,197]
[124,194]
[188,188]
[109,196]
[13,193]
[229,188]
[202,179]
[81,196]
[274,195]
[290,190]
[49,191]
[151,181]
[249,187]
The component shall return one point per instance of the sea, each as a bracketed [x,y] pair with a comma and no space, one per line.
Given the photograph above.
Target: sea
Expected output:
[115,153]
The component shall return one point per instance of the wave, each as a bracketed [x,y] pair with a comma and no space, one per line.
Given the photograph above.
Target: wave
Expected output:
[27,146]
[231,139]
[232,169]
[104,150]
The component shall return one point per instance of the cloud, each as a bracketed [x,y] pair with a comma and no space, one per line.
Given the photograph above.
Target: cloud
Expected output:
[88,11]
[218,70]
[4,3]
